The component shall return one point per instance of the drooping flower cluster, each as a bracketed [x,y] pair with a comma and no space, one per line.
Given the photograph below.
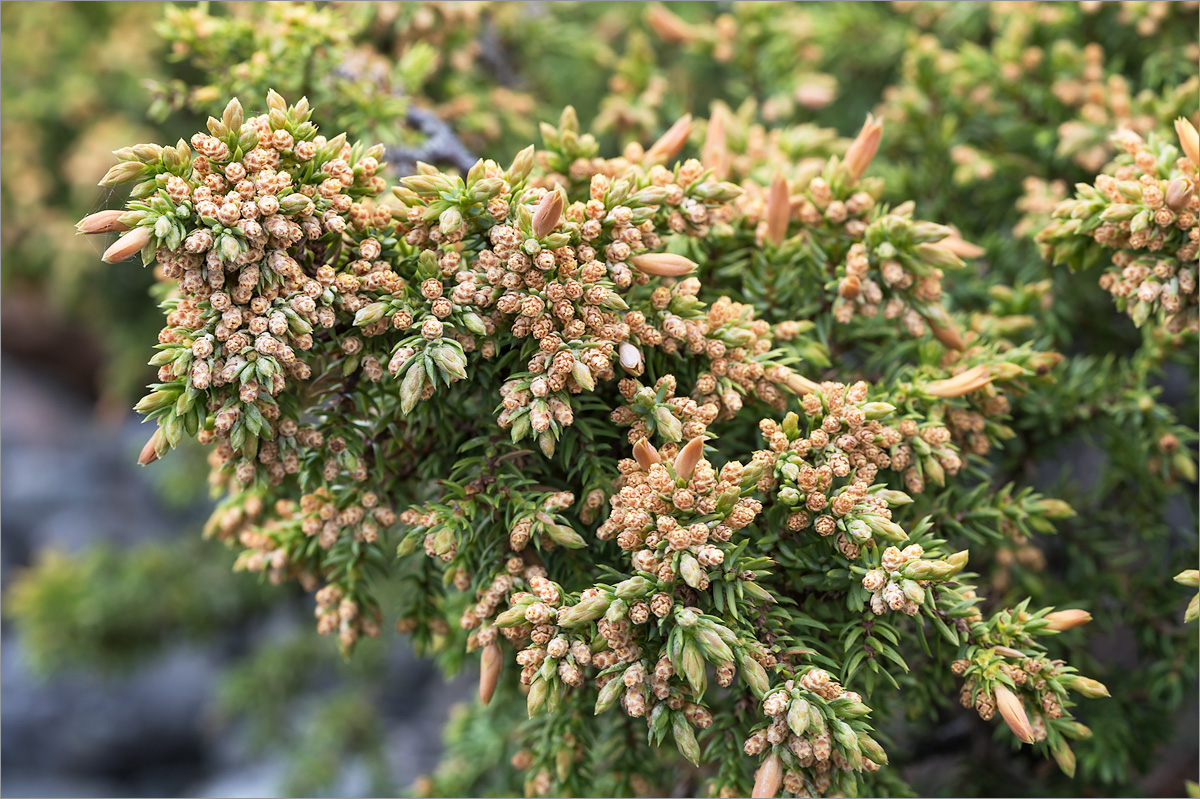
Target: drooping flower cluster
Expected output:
[1003,673]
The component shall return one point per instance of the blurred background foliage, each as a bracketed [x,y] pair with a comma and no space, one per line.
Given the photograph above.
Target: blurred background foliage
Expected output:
[991,110]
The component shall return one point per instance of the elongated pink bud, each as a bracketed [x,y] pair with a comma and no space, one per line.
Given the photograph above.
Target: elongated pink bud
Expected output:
[663,264]
[149,452]
[688,457]
[1013,712]
[671,142]
[645,454]
[1008,652]
[1189,140]
[778,210]
[491,662]
[546,217]
[1066,619]
[670,28]
[863,148]
[127,246]
[769,778]
[715,153]
[102,222]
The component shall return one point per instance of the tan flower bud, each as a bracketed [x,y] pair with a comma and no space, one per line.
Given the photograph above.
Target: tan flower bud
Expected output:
[663,264]
[150,452]
[127,246]
[779,210]
[769,778]
[801,385]
[1008,652]
[714,154]
[490,665]
[1189,140]
[548,212]
[960,247]
[862,150]
[1178,194]
[1061,620]
[944,329]
[631,358]
[688,457]
[645,454]
[1013,712]
[102,222]
[963,383]
[671,142]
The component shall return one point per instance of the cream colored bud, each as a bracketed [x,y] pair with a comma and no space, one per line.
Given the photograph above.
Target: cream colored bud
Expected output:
[801,385]
[1092,689]
[1190,578]
[127,246]
[631,358]
[102,222]
[663,264]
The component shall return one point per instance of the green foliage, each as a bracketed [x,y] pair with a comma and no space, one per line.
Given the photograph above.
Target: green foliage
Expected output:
[829,398]
[107,608]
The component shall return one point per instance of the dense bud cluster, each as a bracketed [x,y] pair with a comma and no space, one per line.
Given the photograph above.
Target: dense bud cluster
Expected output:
[1144,208]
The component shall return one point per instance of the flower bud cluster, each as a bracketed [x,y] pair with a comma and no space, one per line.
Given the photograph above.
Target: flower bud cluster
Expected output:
[1004,671]
[823,465]
[228,226]
[817,732]
[1144,209]
[902,577]
[341,612]
[659,410]
[884,260]
[676,517]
